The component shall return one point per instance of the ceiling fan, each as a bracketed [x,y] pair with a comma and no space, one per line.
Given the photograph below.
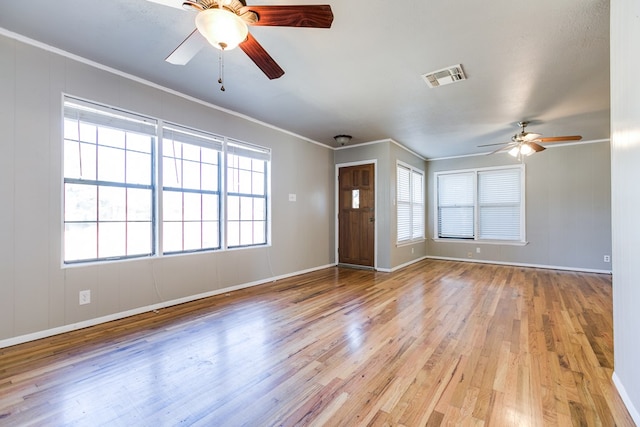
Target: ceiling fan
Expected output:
[525,143]
[223,24]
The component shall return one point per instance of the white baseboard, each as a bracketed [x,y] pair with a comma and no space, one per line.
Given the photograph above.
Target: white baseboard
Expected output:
[115,316]
[406,264]
[519,264]
[625,398]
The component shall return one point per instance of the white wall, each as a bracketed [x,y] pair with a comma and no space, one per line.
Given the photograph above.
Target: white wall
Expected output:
[37,294]
[625,179]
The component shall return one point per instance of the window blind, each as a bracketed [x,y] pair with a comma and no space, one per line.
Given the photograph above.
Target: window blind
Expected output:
[499,204]
[456,201]
[410,203]
[108,117]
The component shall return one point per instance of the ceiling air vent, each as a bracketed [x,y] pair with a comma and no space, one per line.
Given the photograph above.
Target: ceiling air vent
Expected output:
[444,76]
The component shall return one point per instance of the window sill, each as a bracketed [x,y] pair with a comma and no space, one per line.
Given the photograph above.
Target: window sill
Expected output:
[484,242]
[410,242]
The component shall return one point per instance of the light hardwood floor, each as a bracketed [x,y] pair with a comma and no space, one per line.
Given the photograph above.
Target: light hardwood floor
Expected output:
[437,343]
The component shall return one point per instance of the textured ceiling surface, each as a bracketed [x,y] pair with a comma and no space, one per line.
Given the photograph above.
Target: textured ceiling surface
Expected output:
[546,61]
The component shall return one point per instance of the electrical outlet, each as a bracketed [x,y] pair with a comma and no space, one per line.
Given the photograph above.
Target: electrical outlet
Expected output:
[292,197]
[469,254]
[84,297]
[477,250]
[607,258]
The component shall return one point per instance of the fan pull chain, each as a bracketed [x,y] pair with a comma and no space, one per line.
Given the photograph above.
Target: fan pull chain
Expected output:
[221,67]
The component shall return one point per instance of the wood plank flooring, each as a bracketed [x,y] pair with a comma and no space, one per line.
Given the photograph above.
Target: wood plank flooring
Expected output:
[436,343]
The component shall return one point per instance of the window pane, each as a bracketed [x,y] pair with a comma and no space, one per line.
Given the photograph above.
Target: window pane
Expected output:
[246,233]
[210,207]
[500,223]
[210,235]
[191,152]
[111,239]
[172,204]
[111,137]
[258,183]
[172,236]
[88,133]
[139,205]
[233,233]
[138,168]
[244,184]
[210,178]
[455,222]
[192,207]
[260,209]
[110,164]
[139,238]
[355,199]
[112,203]
[233,208]
[259,232]
[71,129]
[80,202]
[404,222]
[80,241]
[192,236]
[140,143]
[172,172]
[191,175]
[246,208]
[258,165]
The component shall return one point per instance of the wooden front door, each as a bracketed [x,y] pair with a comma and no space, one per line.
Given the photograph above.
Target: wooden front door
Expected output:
[356,215]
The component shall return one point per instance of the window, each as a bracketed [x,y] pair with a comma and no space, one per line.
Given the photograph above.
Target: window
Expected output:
[483,204]
[108,183]
[190,190]
[128,179]
[246,194]
[410,203]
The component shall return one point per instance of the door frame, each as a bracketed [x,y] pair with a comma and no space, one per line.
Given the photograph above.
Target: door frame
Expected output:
[337,207]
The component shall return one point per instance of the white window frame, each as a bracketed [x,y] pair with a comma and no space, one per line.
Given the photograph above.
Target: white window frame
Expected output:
[416,222]
[111,116]
[521,240]
[115,218]
[209,216]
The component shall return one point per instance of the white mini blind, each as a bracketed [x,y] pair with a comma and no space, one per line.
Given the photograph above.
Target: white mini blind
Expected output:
[189,136]
[499,200]
[409,203]
[98,115]
[456,200]
[404,203]
[248,150]
[417,199]
[482,204]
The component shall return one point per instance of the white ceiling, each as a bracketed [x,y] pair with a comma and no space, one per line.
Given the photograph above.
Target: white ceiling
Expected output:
[546,61]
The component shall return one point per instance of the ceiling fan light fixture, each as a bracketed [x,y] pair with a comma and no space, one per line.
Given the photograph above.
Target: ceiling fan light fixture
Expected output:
[526,150]
[521,150]
[222,28]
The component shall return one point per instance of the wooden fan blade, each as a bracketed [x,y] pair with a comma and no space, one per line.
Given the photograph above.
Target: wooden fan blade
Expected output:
[261,58]
[560,138]
[316,16]
[535,147]
[187,49]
